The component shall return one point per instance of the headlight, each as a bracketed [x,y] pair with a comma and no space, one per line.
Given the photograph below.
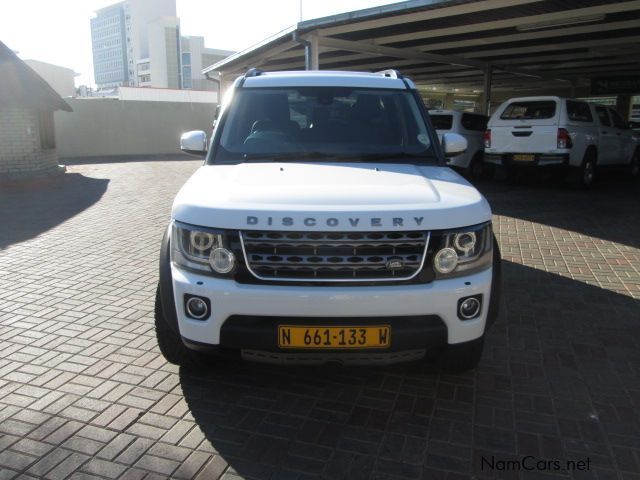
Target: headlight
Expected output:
[201,249]
[464,251]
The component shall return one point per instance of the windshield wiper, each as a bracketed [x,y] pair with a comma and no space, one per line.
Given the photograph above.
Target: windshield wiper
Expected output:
[369,157]
[286,156]
[338,157]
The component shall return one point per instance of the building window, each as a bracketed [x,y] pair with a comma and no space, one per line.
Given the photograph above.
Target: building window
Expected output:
[144,78]
[47,132]
[186,77]
[186,58]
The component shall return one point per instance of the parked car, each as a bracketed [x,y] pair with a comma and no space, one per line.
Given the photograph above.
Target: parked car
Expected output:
[560,132]
[472,127]
[324,226]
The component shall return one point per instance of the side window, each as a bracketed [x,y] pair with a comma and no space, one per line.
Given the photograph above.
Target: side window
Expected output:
[476,123]
[603,116]
[579,111]
[618,122]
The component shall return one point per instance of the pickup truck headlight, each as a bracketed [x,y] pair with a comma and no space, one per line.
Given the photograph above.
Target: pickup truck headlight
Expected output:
[201,249]
[464,251]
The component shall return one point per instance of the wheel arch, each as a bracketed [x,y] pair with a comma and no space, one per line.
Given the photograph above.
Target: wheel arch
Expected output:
[165,283]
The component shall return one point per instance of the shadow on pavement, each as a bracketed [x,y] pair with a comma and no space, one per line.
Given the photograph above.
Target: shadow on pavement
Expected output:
[610,211]
[29,208]
[129,159]
[558,380]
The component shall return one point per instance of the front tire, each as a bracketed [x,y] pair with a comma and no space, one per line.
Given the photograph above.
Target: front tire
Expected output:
[476,168]
[584,176]
[170,343]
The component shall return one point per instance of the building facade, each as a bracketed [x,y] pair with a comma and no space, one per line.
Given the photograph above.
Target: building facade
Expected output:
[194,57]
[60,78]
[119,35]
[108,40]
[27,135]
[138,43]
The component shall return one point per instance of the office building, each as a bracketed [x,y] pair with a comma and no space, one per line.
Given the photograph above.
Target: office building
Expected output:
[119,35]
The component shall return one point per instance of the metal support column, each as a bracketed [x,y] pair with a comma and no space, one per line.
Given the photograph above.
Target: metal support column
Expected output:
[315,53]
[486,107]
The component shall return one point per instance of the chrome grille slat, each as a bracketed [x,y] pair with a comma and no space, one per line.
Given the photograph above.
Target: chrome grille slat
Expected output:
[334,256]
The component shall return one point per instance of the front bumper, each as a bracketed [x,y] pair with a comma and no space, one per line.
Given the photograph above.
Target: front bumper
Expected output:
[539,159]
[435,302]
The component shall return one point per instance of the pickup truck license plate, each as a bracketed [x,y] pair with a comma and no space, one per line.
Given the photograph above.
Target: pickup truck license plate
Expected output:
[318,337]
[524,158]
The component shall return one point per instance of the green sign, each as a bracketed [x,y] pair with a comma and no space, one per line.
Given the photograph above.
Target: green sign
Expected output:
[616,85]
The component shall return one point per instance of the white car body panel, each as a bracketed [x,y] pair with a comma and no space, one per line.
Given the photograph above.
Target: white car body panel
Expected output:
[614,146]
[426,197]
[307,196]
[475,141]
[325,78]
[231,298]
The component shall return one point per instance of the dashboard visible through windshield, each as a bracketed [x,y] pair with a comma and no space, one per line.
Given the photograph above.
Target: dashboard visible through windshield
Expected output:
[323,123]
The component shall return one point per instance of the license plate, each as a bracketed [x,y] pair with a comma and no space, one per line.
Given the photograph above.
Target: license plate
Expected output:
[319,337]
[524,158]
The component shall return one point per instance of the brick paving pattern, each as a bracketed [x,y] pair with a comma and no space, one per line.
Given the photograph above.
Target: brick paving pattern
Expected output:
[84,392]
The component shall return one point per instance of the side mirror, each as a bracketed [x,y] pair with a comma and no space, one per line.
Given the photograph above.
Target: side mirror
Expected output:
[194,143]
[453,144]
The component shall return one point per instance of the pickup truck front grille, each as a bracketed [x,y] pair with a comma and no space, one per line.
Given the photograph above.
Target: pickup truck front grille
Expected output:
[334,256]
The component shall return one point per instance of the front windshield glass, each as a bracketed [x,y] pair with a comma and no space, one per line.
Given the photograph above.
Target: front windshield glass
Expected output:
[323,123]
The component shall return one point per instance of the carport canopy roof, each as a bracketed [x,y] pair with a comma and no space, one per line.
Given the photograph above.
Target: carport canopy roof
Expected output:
[453,42]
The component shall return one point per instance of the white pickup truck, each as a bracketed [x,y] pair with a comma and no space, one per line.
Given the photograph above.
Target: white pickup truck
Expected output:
[560,132]
[324,226]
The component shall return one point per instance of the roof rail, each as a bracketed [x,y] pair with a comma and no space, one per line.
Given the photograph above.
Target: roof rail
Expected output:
[391,73]
[253,72]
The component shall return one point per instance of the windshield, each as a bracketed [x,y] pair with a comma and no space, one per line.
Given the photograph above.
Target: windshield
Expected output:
[529,110]
[323,123]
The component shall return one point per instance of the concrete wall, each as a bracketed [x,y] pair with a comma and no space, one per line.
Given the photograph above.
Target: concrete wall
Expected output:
[150,94]
[109,127]
[21,154]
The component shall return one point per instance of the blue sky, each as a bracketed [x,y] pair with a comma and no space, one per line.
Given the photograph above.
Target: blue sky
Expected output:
[58,31]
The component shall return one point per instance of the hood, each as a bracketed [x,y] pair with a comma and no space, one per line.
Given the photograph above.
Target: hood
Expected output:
[328,196]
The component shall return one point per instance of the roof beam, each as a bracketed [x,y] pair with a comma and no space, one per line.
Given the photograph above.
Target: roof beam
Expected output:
[418,55]
[429,14]
[406,53]
[511,22]
[536,35]
[266,56]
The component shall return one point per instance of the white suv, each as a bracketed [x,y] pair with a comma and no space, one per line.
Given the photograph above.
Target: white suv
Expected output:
[324,226]
[472,127]
[559,132]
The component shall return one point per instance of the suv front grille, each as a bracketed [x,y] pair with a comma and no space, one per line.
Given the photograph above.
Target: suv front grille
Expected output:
[334,256]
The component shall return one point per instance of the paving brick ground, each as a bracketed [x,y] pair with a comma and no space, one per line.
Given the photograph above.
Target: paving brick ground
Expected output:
[84,392]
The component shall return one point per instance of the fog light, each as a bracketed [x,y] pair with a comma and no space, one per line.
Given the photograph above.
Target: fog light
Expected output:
[469,307]
[197,307]
[445,260]
[222,260]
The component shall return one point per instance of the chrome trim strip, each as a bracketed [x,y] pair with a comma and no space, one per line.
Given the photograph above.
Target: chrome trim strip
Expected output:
[331,280]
